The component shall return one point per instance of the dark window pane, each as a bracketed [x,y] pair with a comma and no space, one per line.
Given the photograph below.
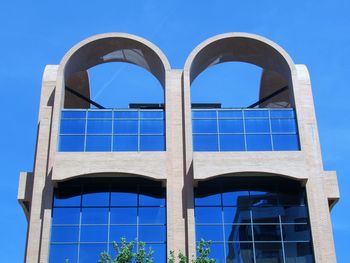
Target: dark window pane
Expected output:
[231,126]
[236,233]
[256,113]
[204,126]
[268,252]
[236,215]
[282,113]
[123,199]
[267,232]
[159,252]
[98,143]
[263,198]
[257,126]
[152,143]
[152,215]
[214,199]
[152,196]
[126,114]
[266,214]
[207,215]
[205,143]
[125,143]
[213,233]
[90,253]
[232,142]
[71,143]
[283,125]
[259,142]
[99,127]
[299,252]
[203,114]
[118,232]
[99,198]
[285,142]
[237,198]
[94,215]
[94,234]
[72,127]
[61,252]
[73,114]
[296,214]
[123,215]
[152,233]
[126,127]
[298,232]
[100,114]
[151,127]
[66,216]
[64,234]
[152,114]
[69,196]
[230,113]
[239,253]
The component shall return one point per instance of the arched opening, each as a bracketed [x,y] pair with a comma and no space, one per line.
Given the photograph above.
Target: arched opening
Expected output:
[89,214]
[114,88]
[250,82]
[254,219]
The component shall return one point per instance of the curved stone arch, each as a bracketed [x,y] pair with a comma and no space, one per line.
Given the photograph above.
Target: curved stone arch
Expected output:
[259,173]
[112,175]
[109,47]
[242,47]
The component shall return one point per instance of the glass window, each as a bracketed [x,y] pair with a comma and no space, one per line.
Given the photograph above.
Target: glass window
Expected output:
[236,215]
[236,198]
[126,127]
[99,114]
[239,253]
[152,233]
[209,232]
[98,143]
[256,113]
[204,114]
[204,126]
[123,215]
[217,252]
[94,234]
[285,142]
[69,126]
[152,114]
[90,253]
[73,114]
[237,233]
[258,142]
[268,252]
[283,125]
[65,234]
[299,252]
[61,252]
[71,143]
[232,142]
[99,126]
[152,215]
[230,114]
[151,127]
[152,143]
[152,196]
[127,232]
[94,215]
[67,197]
[231,126]
[257,125]
[267,232]
[288,113]
[126,114]
[203,200]
[125,143]
[121,198]
[66,216]
[208,215]
[93,198]
[297,232]
[205,143]
[159,252]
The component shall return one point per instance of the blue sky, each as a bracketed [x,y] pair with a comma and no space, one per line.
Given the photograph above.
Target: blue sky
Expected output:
[36,33]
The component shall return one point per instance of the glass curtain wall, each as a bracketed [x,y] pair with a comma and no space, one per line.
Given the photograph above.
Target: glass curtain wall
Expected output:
[254,220]
[219,130]
[112,130]
[89,215]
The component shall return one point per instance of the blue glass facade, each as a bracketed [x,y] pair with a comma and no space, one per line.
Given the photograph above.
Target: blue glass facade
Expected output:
[89,215]
[254,220]
[112,130]
[219,130]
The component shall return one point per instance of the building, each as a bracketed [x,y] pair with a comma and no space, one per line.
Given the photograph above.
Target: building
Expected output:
[251,180]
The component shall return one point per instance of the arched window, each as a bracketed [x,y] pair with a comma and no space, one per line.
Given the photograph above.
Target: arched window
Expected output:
[254,219]
[101,111]
[250,83]
[89,214]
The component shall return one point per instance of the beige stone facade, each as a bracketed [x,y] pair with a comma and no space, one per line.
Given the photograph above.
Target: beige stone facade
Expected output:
[178,167]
